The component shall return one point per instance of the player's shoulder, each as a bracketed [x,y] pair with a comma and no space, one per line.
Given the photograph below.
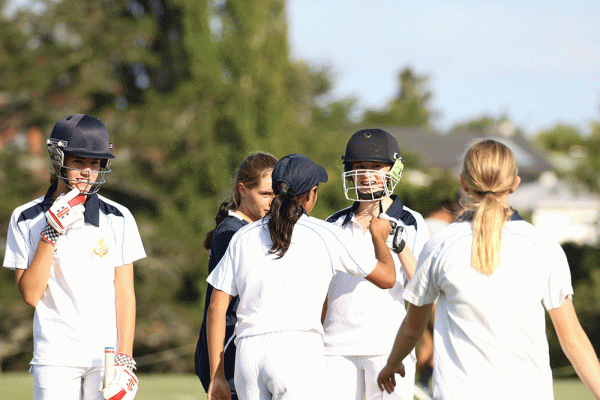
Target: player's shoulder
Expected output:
[416,215]
[325,230]
[407,215]
[248,231]
[231,222]
[452,234]
[526,231]
[111,208]
[229,226]
[343,214]
[29,210]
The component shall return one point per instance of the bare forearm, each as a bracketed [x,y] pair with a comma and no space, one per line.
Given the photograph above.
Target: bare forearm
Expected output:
[215,332]
[32,282]
[126,326]
[582,356]
[382,253]
[408,262]
[410,332]
[125,306]
[576,345]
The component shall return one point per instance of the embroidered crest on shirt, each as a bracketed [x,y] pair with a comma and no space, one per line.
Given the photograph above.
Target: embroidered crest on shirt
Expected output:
[101,247]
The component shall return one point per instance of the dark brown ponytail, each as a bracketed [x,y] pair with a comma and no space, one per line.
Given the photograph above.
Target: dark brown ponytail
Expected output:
[285,212]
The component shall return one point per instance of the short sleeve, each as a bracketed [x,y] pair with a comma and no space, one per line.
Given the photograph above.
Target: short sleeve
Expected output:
[133,248]
[345,257]
[559,278]
[422,288]
[18,248]
[223,276]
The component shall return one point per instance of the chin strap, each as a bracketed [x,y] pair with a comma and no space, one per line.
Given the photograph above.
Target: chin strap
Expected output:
[371,196]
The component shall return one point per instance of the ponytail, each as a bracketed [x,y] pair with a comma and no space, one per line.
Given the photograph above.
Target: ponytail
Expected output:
[222,213]
[488,223]
[489,172]
[285,212]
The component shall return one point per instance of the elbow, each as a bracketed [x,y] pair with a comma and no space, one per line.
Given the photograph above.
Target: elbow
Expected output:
[30,300]
[29,297]
[383,276]
[388,284]
[388,280]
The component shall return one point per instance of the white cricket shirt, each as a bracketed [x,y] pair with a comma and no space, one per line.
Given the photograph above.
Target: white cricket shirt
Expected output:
[75,318]
[490,333]
[285,294]
[363,319]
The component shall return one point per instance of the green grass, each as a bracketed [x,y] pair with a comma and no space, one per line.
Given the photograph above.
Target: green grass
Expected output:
[17,386]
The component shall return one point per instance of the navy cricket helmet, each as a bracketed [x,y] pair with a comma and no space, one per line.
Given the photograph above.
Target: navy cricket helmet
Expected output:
[375,145]
[84,136]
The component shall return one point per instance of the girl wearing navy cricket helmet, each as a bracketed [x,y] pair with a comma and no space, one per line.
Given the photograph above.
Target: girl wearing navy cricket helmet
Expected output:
[73,251]
[360,320]
[493,275]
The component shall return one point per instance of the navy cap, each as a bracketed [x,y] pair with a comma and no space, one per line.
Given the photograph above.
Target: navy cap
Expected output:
[299,172]
[83,135]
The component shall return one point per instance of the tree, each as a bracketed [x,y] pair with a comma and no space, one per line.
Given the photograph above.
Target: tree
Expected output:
[187,89]
[560,138]
[409,108]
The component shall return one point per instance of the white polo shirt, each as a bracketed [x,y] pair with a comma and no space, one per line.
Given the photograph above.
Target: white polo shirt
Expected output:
[285,294]
[490,333]
[363,319]
[75,318]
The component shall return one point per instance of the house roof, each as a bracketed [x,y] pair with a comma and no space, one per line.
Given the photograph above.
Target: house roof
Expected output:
[446,151]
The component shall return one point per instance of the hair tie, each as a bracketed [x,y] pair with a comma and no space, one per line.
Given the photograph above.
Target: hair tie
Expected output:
[488,192]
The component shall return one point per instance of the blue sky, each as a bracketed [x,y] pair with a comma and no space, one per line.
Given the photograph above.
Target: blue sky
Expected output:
[537,62]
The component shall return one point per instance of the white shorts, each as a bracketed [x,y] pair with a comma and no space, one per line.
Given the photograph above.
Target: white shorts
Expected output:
[281,365]
[52,382]
[356,376]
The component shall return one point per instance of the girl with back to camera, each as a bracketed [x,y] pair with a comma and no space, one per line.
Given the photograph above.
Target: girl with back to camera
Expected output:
[492,274]
[250,201]
[281,267]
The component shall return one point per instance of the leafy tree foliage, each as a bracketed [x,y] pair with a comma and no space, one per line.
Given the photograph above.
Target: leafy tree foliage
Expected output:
[409,108]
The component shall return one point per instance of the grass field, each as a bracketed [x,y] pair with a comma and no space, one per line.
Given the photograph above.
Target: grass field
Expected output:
[17,386]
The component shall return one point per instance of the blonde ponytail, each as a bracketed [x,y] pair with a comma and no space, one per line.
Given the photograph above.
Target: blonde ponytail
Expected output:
[489,172]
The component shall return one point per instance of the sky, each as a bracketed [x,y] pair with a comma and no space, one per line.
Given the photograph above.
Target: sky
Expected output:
[538,63]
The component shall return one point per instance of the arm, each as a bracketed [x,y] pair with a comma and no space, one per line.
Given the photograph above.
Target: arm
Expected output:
[384,273]
[32,282]
[125,307]
[408,262]
[215,332]
[64,212]
[576,345]
[410,332]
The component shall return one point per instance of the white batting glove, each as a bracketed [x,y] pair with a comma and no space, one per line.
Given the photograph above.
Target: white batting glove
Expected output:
[66,210]
[125,384]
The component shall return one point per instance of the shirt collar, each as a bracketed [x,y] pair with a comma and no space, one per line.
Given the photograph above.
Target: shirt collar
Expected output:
[91,214]
[468,216]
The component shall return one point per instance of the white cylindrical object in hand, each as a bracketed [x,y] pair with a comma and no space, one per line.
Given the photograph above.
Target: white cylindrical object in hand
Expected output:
[109,365]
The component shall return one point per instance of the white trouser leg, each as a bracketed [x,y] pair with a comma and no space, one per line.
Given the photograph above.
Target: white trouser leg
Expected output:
[65,383]
[405,386]
[280,366]
[344,377]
